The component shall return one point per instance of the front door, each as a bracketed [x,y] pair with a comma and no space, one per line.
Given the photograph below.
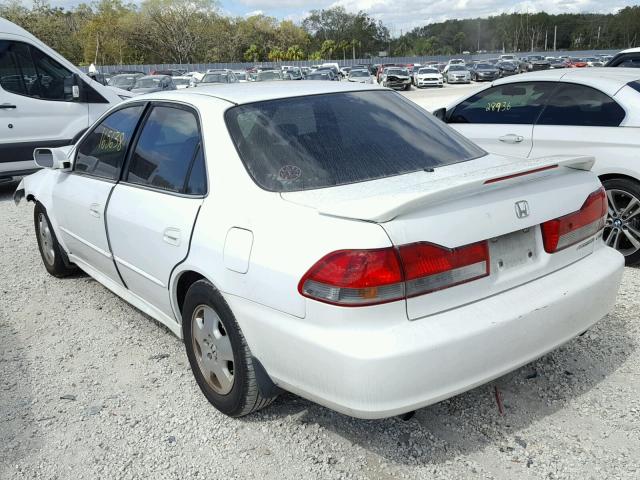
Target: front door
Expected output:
[81,196]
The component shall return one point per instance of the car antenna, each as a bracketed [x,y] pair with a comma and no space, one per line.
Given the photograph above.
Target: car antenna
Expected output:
[428,169]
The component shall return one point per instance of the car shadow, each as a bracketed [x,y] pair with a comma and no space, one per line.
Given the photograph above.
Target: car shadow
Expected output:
[469,422]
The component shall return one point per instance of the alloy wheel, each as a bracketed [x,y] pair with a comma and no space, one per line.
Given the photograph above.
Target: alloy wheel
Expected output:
[213,350]
[46,239]
[622,228]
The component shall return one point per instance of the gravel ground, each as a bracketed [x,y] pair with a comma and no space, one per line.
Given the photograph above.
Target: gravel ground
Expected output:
[90,388]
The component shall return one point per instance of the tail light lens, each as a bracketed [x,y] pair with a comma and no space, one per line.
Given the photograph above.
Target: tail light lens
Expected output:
[355,277]
[369,277]
[430,267]
[563,232]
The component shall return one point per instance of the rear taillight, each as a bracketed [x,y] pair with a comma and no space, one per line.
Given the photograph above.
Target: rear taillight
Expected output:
[563,232]
[429,267]
[369,277]
[355,277]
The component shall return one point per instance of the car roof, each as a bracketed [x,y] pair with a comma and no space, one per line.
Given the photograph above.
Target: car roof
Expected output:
[242,93]
[607,79]
[9,27]
[631,50]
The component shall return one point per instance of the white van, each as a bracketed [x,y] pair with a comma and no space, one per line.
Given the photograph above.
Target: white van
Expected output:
[45,101]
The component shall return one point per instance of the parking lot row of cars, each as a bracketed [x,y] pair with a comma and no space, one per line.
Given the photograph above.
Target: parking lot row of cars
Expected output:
[397,76]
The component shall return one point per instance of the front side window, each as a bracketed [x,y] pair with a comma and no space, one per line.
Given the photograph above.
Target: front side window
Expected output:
[17,71]
[102,152]
[510,103]
[319,141]
[165,150]
[578,105]
[27,71]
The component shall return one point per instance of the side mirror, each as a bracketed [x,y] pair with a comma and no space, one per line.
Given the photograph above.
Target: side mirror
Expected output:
[440,113]
[54,158]
[72,87]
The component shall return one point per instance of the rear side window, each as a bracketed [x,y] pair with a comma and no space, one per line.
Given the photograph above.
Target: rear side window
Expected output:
[578,105]
[102,152]
[319,141]
[511,103]
[25,70]
[165,150]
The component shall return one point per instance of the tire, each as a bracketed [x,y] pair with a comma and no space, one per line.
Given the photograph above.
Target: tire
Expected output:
[407,88]
[54,258]
[234,389]
[619,229]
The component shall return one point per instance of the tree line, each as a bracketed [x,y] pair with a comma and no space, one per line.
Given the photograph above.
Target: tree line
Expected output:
[522,32]
[195,31]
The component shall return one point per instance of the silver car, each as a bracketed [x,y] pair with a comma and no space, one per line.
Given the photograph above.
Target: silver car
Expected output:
[456,74]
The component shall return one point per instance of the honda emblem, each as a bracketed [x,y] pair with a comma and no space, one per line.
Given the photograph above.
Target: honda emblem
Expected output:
[522,209]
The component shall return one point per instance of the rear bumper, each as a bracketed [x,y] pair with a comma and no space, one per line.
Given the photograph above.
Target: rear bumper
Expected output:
[383,369]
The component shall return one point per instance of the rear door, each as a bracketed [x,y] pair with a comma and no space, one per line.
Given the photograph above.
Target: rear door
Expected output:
[80,197]
[582,120]
[500,119]
[153,209]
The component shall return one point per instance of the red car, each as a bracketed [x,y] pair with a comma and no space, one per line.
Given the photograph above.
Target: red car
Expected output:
[577,63]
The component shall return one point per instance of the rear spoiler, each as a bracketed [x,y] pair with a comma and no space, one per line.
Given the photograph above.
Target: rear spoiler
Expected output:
[385,207]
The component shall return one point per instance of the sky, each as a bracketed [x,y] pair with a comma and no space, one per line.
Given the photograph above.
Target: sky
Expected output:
[403,15]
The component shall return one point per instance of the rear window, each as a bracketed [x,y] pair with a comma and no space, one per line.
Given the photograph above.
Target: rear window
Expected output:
[635,85]
[333,139]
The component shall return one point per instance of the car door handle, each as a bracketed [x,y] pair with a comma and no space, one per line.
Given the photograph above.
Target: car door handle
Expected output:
[172,236]
[95,210]
[7,106]
[511,138]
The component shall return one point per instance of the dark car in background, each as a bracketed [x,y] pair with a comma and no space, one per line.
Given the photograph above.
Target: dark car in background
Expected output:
[153,83]
[124,81]
[322,75]
[484,72]
[536,62]
[557,63]
[507,68]
[170,73]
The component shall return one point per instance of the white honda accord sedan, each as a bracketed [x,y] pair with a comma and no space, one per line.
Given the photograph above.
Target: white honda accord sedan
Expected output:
[329,239]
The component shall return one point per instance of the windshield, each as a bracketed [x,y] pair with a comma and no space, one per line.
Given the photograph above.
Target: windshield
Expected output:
[427,70]
[181,81]
[215,78]
[456,68]
[319,141]
[122,81]
[359,73]
[535,57]
[148,82]
[484,65]
[262,76]
[397,71]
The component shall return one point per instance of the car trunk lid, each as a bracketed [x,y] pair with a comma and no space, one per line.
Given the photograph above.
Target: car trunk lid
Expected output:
[467,203]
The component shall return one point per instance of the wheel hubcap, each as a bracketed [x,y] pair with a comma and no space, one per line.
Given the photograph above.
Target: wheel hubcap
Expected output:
[622,229]
[46,240]
[212,348]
